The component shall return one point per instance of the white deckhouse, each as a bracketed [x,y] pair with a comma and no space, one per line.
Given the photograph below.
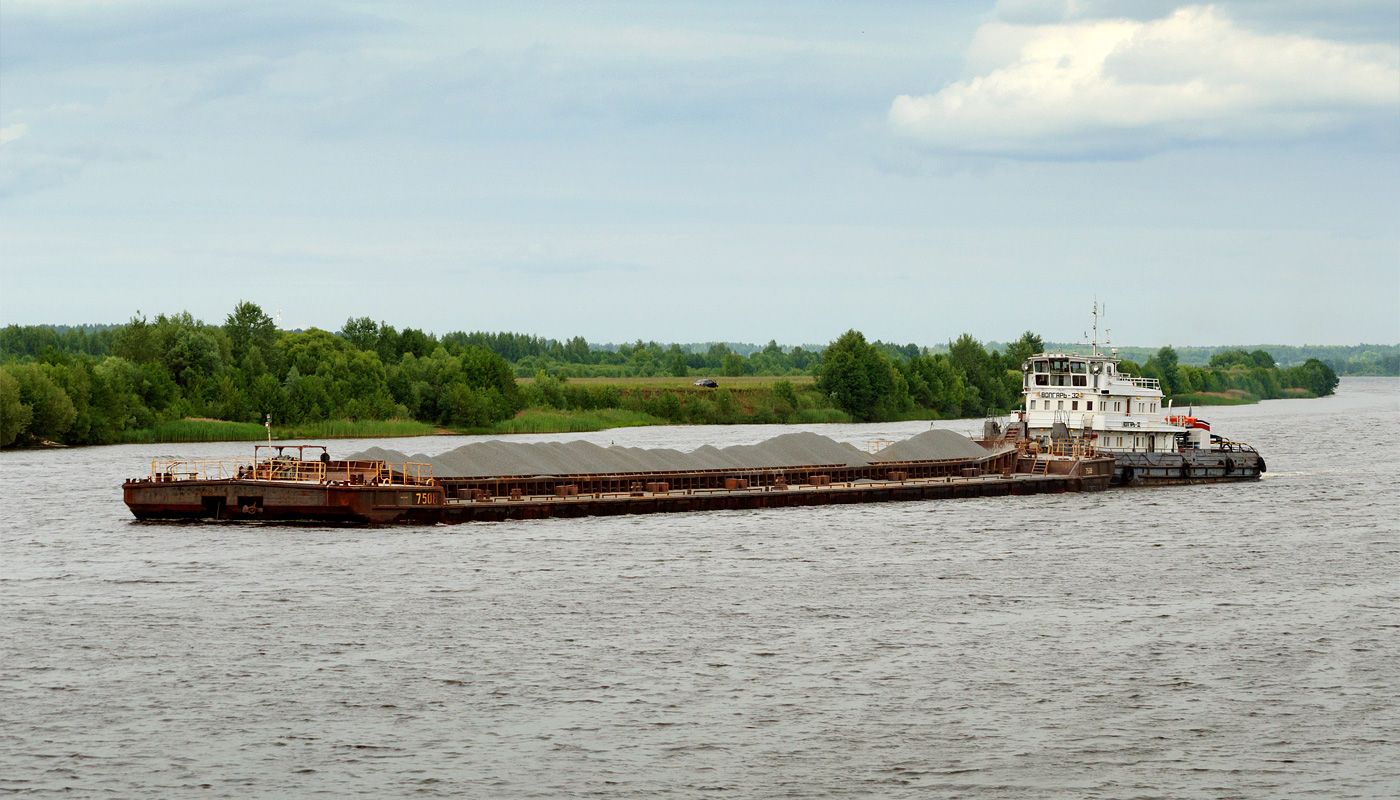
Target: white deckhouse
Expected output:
[1087,397]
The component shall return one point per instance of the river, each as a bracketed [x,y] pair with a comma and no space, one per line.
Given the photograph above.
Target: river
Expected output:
[1236,640]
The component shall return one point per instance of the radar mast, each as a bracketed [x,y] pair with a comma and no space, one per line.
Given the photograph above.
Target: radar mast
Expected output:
[1094,342]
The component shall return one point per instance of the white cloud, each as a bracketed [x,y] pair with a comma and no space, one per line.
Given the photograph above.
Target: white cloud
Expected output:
[1123,87]
[10,133]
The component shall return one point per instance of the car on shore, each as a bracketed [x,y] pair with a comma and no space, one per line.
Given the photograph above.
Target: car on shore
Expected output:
[707,383]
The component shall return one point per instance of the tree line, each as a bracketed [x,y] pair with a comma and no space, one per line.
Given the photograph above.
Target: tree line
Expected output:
[89,384]
[1254,373]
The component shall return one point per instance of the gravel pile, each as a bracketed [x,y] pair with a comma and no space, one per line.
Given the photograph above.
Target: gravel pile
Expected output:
[932,445]
[484,459]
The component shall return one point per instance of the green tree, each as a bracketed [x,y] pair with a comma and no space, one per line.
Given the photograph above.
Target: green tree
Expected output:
[855,375]
[136,341]
[15,416]
[675,362]
[1163,365]
[361,333]
[732,366]
[249,327]
[1022,349]
[51,411]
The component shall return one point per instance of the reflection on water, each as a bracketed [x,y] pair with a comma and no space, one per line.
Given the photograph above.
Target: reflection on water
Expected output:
[1235,640]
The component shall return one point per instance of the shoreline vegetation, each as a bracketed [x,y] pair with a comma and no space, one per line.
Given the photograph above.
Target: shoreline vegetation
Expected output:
[175,379]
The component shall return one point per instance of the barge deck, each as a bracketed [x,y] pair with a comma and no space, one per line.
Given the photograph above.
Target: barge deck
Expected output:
[288,489]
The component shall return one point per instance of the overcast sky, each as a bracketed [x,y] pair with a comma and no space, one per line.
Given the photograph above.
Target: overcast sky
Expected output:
[710,171]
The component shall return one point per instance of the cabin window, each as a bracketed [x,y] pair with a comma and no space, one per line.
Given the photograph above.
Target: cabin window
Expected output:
[1061,407]
[1118,406]
[1074,405]
[1120,441]
[1153,408]
[1032,405]
[1089,406]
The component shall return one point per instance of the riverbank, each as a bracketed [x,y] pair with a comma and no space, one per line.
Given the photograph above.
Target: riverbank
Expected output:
[650,393]
[1235,397]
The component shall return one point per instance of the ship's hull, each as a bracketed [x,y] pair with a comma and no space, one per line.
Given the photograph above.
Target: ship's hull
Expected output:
[1165,469]
[238,499]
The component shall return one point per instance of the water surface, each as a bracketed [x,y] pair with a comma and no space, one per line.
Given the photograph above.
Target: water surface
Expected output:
[1209,641]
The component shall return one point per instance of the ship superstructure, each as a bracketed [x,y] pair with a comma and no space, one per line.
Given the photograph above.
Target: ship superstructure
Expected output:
[1085,396]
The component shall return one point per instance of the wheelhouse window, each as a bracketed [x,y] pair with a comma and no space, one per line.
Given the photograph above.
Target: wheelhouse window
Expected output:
[1042,380]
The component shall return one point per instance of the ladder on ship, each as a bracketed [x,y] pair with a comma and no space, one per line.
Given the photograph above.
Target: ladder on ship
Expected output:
[1041,467]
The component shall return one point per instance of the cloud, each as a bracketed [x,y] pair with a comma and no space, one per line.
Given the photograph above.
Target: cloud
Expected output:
[1123,88]
[11,133]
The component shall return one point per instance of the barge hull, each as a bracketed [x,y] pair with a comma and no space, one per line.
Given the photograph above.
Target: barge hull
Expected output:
[500,510]
[1169,469]
[199,500]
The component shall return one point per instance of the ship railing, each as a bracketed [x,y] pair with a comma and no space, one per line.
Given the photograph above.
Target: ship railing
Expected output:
[202,469]
[1142,383]
[382,473]
[1228,446]
[1062,448]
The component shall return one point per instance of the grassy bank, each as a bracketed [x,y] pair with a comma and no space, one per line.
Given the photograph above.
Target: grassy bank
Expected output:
[552,421]
[211,430]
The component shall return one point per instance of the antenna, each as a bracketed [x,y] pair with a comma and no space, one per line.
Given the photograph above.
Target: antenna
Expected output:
[1099,312]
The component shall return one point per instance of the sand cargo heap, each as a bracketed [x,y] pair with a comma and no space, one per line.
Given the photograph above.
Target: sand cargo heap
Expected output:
[495,480]
[486,459]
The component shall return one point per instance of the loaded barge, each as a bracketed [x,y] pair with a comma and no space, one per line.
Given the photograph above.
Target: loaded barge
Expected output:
[294,483]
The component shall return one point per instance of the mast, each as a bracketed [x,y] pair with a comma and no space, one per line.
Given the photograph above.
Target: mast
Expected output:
[1094,342]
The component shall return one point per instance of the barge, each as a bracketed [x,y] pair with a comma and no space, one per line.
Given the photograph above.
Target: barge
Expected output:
[296,483]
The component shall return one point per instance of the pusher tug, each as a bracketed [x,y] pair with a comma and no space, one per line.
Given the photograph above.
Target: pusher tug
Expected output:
[1073,398]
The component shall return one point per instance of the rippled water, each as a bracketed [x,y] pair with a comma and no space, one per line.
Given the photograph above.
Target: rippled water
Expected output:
[1208,641]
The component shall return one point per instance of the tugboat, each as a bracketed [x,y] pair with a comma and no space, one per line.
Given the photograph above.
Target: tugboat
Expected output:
[1072,398]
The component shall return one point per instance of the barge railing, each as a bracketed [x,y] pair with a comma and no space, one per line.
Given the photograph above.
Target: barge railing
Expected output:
[282,470]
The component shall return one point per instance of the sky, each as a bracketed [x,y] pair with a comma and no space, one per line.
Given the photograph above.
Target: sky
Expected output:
[717,171]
